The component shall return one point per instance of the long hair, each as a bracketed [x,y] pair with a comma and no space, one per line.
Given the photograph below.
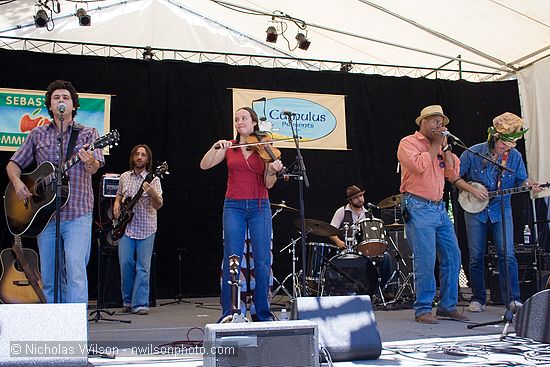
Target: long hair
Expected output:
[253,116]
[61,84]
[149,166]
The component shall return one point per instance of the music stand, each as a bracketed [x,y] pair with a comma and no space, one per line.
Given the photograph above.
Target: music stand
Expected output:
[179,298]
[98,309]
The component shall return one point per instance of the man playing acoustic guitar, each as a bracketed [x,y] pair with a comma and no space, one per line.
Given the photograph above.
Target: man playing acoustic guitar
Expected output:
[76,216]
[135,248]
[506,130]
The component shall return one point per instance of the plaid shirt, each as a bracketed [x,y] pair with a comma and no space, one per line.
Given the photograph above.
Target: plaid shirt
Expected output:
[41,146]
[144,222]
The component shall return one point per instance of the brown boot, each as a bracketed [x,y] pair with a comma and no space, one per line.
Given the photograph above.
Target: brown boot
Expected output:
[426,318]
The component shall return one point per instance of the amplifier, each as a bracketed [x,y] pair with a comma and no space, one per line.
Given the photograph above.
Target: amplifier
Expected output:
[529,283]
[109,185]
[267,344]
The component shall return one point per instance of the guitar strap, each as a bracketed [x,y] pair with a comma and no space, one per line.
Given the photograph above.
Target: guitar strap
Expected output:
[503,162]
[72,142]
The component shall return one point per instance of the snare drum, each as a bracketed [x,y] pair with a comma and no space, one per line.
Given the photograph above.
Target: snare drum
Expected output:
[358,267]
[316,252]
[371,237]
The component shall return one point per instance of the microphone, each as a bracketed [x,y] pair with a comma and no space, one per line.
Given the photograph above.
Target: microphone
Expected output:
[448,135]
[372,206]
[61,107]
[288,113]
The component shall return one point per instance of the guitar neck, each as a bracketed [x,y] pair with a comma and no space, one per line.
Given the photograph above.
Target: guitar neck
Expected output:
[138,194]
[66,166]
[514,190]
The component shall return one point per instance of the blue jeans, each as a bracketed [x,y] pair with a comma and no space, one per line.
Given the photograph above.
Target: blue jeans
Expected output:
[135,264]
[477,240]
[255,216]
[76,241]
[431,233]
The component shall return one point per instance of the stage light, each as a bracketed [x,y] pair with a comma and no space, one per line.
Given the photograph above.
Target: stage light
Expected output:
[346,66]
[84,19]
[148,53]
[41,19]
[271,34]
[303,43]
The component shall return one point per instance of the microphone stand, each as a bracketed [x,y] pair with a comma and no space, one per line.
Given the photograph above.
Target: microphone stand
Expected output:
[301,176]
[508,314]
[57,296]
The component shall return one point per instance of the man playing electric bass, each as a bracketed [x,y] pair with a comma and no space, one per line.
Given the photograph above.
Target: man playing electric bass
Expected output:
[76,216]
[506,130]
[135,247]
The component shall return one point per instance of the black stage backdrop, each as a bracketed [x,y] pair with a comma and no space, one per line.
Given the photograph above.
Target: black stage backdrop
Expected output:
[180,109]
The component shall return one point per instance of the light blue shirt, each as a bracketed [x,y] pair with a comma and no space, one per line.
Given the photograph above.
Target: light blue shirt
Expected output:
[473,168]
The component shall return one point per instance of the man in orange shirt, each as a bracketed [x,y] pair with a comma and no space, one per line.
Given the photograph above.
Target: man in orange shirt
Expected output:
[426,160]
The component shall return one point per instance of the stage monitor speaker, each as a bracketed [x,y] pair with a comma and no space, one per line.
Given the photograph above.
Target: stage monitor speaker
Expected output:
[266,344]
[347,328]
[43,335]
[533,320]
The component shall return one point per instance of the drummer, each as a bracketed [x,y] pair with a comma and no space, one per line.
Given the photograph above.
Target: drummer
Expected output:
[351,213]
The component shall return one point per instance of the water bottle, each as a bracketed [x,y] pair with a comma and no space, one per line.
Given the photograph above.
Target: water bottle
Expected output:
[283,316]
[526,235]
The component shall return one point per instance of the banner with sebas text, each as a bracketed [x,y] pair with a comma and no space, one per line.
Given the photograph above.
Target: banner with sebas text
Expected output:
[22,110]
[319,119]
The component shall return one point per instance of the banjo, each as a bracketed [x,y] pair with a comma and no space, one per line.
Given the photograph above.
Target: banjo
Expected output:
[472,205]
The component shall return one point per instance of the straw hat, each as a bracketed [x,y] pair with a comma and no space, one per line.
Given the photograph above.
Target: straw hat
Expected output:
[353,191]
[432,110]
[508,128]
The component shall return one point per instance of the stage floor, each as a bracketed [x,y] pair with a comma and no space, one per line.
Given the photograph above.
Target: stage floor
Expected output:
[404,341]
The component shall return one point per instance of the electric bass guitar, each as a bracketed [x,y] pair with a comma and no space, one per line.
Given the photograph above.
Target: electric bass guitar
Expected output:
[20,281]
[469,203]
[127,206]
[30,216]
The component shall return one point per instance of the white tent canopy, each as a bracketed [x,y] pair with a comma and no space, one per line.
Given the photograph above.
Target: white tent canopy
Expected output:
[493,36]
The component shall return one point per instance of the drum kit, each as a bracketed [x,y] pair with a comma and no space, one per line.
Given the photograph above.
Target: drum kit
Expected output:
[330,271]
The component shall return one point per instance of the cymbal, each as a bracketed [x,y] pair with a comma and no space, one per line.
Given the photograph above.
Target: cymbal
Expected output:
[282,205]
[390,201]
[394,226]
[317,227]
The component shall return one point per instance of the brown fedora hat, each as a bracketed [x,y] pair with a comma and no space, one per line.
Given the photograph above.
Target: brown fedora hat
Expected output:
[353,191]
[433,110]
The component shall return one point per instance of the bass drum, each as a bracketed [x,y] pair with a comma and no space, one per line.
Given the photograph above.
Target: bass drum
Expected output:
[358,267]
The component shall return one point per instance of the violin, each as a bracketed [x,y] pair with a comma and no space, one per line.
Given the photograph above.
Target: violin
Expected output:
[267,152]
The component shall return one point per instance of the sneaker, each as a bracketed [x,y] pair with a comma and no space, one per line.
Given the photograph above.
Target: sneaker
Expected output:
[126,309]
[143,311]
[453,315]
[515,306]
[475,306]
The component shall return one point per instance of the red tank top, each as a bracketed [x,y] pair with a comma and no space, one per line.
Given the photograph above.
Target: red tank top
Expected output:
[245,178]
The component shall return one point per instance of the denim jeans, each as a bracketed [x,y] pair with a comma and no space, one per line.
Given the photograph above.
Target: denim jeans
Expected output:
[477,240]
[431,233]
[135,264]
[76,241]
[255,216]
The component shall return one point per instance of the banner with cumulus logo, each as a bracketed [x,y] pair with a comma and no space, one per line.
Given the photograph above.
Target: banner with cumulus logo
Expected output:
[22,110]
[319,119]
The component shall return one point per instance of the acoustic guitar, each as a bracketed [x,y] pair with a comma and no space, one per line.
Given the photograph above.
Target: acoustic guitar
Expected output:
[469,203]
[127,206]
[29,217]
[20,281]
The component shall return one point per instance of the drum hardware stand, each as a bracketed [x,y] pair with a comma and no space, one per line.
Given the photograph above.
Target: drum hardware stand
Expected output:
[179,298]
[293,275]
[407,281]
[98,310]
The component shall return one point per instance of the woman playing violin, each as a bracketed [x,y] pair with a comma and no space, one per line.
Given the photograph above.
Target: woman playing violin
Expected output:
[246,207]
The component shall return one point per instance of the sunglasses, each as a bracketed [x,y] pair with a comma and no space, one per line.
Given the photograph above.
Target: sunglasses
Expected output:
[441,162]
